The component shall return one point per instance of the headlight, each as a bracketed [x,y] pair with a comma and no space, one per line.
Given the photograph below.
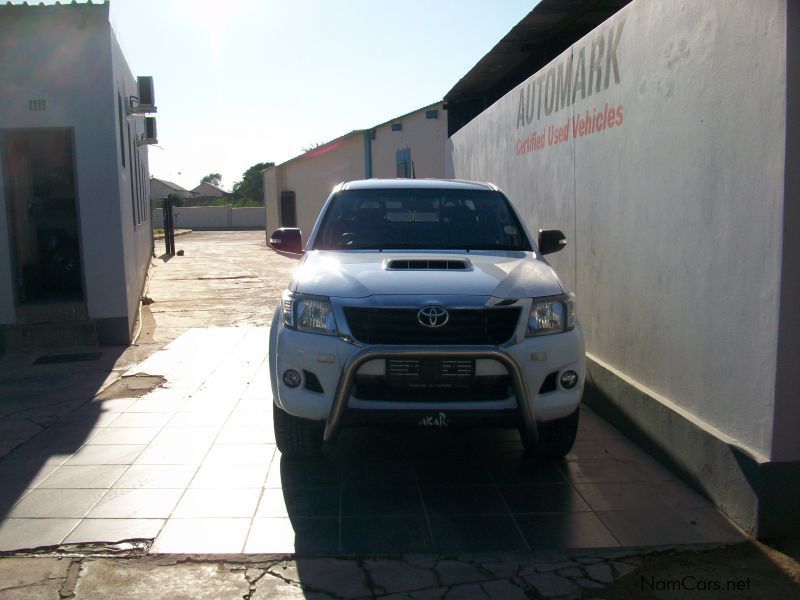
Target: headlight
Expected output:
[308,313]
[551,315]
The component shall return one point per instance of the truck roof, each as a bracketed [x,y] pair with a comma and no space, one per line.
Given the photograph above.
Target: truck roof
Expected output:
[367,184]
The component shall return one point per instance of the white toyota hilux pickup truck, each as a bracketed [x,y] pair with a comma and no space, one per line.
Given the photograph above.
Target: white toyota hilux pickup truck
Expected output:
[425,303]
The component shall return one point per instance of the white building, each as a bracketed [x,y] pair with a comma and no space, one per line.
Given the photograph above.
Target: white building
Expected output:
[74,182]
[411,145]
[665,143]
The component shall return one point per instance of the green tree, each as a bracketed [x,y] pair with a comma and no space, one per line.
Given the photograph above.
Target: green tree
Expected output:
[251,187]
[212,178]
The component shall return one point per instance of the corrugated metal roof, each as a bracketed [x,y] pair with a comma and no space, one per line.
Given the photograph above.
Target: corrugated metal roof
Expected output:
[413,112]
[211,185]
[549,29]
[169,184]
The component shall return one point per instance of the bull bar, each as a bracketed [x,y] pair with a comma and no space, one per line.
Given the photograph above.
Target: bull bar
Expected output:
[377,352]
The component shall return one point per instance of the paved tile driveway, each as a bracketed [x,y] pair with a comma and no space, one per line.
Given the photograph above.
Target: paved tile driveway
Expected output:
[194,465]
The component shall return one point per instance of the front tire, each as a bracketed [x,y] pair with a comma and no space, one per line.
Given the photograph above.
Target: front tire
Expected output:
[556,438]
[296,437]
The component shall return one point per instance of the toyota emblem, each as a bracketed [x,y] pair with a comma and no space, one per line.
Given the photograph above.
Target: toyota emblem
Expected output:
[432,316]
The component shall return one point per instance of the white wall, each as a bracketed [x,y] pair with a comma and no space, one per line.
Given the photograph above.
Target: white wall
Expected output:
[425,137]
[78,72]
[213,217]
[201,217]
[312,176]
[673,216]
[134,202]
[85,54]
[250,217]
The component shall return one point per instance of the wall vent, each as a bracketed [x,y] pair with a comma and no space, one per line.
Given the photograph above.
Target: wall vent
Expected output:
[37,104]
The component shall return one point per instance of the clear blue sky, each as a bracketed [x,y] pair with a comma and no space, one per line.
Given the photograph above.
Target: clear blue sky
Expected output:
[244,81]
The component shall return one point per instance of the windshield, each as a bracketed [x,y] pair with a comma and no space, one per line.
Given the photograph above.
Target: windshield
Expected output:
[423,219]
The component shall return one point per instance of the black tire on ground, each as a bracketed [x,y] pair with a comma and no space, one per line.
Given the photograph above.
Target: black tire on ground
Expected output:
[296,437]
[555,438]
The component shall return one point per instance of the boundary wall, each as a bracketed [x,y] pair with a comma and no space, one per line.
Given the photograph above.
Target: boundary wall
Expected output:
[660,144]
[214,217]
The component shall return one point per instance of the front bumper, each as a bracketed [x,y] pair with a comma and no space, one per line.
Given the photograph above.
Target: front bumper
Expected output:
[362,356]
[335,363]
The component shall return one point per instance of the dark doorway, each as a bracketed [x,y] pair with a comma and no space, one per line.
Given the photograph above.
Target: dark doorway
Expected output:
[39,169]
[288,211]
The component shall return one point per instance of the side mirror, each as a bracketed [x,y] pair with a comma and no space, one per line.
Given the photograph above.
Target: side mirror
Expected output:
[287,240]
[551,240]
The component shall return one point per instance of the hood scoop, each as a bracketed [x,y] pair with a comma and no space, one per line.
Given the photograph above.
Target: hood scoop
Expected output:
[427,264]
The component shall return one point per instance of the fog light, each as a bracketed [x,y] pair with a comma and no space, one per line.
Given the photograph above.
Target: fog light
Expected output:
[569,379]
[291,378]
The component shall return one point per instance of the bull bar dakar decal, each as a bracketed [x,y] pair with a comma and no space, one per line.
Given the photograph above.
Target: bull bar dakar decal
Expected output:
[561,85]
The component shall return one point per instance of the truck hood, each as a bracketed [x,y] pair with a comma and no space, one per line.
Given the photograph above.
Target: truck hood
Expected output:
[361,274]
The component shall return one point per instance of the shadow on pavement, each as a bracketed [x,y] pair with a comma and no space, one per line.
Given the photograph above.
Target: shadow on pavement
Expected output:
[47,414]
[420,503]
[396,491]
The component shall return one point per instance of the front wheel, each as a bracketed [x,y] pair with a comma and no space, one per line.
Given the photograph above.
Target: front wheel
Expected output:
[296,437]
[555,438]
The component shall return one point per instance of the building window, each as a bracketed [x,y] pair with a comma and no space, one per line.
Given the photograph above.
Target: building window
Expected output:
[130,178]
[121,131]
[145,197]
[288,216]
[135,176]
[397,127]
[37,105]
[432,114]
[403,162]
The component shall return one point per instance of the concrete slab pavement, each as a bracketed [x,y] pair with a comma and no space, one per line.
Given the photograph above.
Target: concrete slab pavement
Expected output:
[743,571]
[193,464]
[224,278]
[176,454]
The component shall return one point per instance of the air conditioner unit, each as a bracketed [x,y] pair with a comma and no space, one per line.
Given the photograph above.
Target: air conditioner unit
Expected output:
[145,101]
[150,135]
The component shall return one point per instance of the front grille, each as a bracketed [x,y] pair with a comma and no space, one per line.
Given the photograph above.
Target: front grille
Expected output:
[401,368]
[457,368]
[400,326]
[412,370]
[422,389]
